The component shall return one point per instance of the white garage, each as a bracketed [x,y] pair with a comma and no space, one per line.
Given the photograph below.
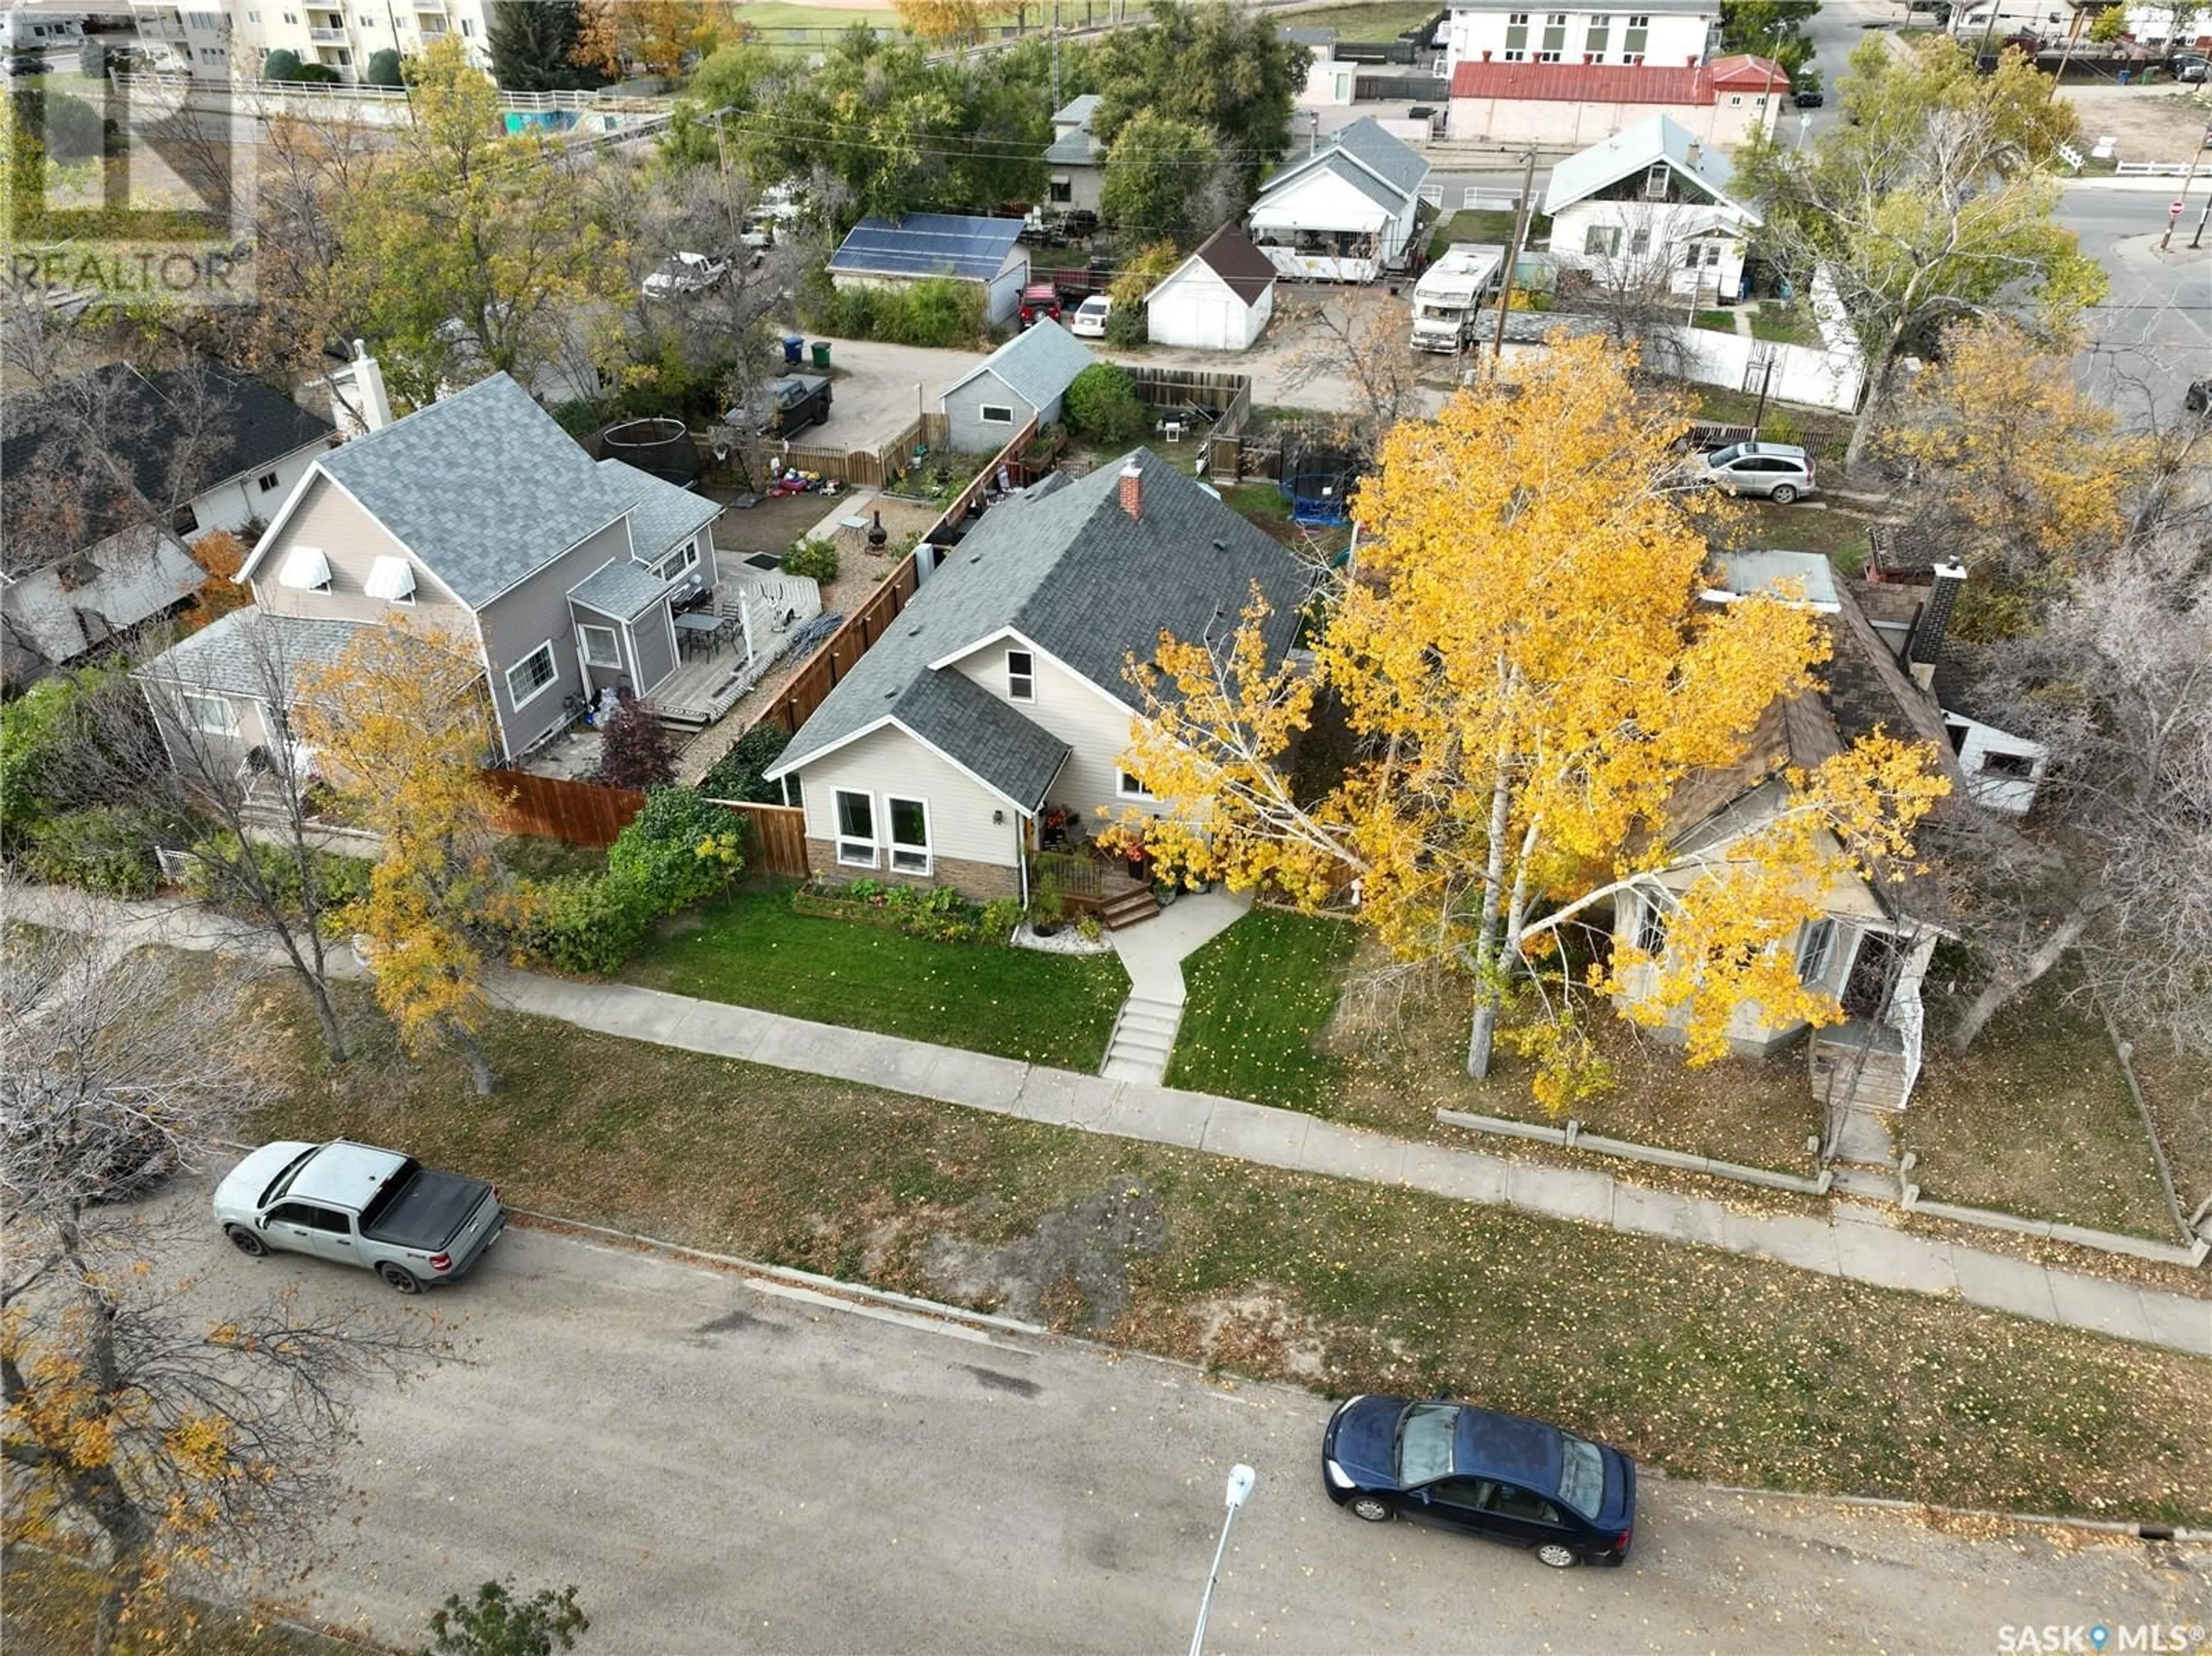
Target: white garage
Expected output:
[1216,300]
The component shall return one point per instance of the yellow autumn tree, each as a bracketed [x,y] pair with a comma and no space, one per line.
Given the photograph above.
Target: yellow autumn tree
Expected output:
[404,726]
[653,37]
[945,22]
[1524,658]
[2026,475]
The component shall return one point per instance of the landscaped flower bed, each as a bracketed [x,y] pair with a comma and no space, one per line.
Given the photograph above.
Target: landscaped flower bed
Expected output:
[938,912]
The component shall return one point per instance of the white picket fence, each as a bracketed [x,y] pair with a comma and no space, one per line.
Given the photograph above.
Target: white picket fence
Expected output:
[2152,169]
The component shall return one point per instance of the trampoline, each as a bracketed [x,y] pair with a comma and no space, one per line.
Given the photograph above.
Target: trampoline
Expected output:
[1318,479]
[661,447]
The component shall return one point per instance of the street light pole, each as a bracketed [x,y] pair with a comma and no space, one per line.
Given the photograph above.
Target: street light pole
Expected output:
[1240,1480]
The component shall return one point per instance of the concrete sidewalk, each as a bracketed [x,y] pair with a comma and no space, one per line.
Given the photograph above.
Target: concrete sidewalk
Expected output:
[1851,1243]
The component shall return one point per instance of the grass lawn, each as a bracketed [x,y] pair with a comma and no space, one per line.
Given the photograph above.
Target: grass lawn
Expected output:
[1379,21]
[1703,1364]
[1262,503]
[1784,326]
[1493,225]
[1714,321]
[1764,526]
[2177,1089]
[752,950]
[53,1603]
[1258,994]
[2037,1120]
[785,14]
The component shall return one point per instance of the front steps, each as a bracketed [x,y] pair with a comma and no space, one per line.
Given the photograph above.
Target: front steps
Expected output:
[1144,1037]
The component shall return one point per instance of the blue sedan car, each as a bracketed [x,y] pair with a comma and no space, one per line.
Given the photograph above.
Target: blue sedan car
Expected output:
[1500,1476]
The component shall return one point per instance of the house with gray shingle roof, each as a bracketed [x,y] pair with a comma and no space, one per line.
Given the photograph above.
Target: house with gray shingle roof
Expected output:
[1027,375]
[480,521]
[1075,162]
[1345,210]
[1001,695]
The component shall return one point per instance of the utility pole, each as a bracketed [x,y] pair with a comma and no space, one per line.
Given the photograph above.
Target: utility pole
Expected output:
[1513,259]
[2174,217]
[729,201]
[1766,378]
[2072,35]
[2197,240]
[1056,105]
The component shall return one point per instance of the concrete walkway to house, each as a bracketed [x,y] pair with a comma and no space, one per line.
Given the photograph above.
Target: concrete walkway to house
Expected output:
[1852,1241]
[1152,954]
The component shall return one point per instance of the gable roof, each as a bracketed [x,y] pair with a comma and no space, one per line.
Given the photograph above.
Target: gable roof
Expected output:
[483,486]
[1037,364]
[1232,256]
[236,424]
[1583,83]
[1065,567]
[1739,70]
[1634,150]
[1388,170]
[233,653]
[661,513]
[928,244]
[64,609]
[1077,111]
[619,589]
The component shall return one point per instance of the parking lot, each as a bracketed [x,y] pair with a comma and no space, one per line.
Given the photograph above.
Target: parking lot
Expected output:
[877,390]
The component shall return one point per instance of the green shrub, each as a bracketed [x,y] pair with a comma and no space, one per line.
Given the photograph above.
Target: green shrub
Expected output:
[938,912]
[1102,404]
[577,417]
[33,729]
[737,774]
[108,849]
[1048,907]
[817,560]
[1126,326]
[280,64]
[938,311]
[582,923]
[1000,916]
[384,69]
[340,879]
[678,851]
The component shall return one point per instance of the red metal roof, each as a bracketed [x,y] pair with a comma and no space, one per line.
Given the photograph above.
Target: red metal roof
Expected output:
[1614,83]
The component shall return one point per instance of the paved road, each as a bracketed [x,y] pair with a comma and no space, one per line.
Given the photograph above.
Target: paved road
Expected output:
[2154,334]
[722,1469]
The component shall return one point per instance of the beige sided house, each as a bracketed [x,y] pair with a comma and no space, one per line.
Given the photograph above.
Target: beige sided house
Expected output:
[998,695]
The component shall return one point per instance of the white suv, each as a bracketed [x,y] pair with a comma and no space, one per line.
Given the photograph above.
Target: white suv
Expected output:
[1779,471]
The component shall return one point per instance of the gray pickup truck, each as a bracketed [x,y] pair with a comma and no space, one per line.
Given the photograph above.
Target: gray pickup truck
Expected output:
[415,1227]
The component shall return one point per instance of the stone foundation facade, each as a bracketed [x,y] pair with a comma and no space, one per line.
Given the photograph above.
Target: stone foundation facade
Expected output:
[979,881]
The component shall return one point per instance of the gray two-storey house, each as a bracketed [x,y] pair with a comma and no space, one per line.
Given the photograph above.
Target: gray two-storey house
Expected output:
[480,521]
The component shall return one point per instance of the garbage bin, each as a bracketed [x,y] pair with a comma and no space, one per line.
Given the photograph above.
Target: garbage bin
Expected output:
[821,354]
[2123,77]
[793,345]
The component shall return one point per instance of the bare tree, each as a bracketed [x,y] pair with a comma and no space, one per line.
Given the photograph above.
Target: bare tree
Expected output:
[261,855]
[160,1437]
[1361,356]
[1629,287]
[2117,684]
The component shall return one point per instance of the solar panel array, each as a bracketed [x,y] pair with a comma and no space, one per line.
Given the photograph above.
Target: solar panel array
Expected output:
[928,243]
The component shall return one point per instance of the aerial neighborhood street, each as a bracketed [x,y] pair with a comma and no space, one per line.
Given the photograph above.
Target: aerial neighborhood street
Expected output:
[1325,825]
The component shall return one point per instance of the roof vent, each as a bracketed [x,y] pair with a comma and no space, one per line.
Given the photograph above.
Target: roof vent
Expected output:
[974,557]
[914,631]
[1221,546]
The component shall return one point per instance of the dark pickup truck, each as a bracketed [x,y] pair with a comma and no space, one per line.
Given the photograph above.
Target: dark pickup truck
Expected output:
[789,406]
[412,1225]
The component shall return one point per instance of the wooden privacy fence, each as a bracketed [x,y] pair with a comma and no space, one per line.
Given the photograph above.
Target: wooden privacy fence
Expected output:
[811,686]
[869,468]
[586,814]
[553,808]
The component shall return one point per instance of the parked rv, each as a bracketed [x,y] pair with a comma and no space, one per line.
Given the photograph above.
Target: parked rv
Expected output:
[1449,296]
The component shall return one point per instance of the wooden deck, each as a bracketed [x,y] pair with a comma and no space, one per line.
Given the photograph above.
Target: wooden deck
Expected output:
[705,686]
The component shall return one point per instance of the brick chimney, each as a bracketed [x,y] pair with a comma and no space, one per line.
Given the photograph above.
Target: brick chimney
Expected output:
[1132,490]
[1925,646]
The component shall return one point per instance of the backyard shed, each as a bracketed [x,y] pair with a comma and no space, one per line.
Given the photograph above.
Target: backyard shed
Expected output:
[1027,375]
[892,253]
[1216,300]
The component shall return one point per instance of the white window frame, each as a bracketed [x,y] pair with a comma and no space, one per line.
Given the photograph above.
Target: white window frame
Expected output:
[1021,682]
[1816,952]
[917,859]
[850,846]
[268,481]
[552,675]
[584,631]
[196,707]
[995,413]
[1127,786]
[680,562]
[1651,929]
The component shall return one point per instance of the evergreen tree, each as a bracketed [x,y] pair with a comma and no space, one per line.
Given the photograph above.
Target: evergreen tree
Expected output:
[532,45]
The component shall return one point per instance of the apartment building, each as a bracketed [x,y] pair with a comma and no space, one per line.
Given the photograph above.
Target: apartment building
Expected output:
[1663,33]
[235,36]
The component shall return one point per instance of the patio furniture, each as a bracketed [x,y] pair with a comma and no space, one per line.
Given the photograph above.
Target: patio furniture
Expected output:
[694,630]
